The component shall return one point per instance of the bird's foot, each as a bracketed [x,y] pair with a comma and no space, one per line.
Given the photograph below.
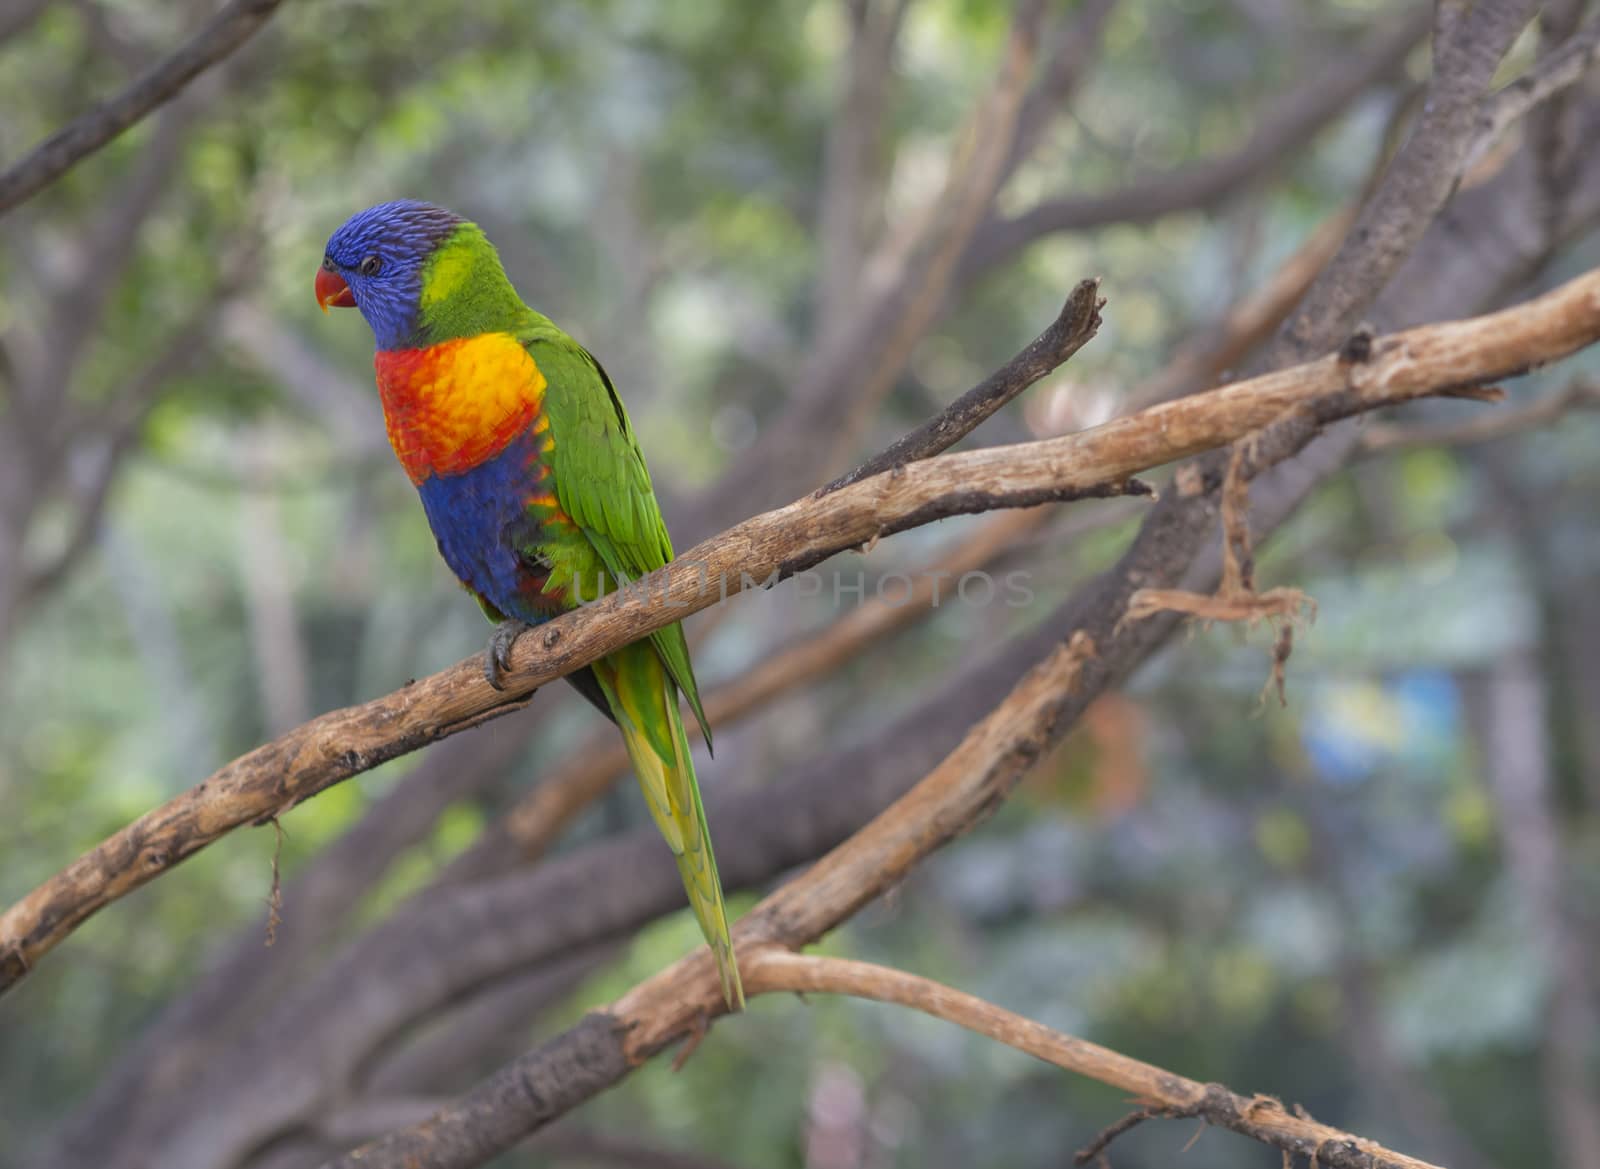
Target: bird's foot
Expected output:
[497,657]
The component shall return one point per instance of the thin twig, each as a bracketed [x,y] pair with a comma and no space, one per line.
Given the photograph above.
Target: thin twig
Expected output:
[1236,598]
[1560,71]
[839,386]
[57,154]
[778,544]
[1199,361]
[1074,50]
[1073,328]
[1095,1150]
[772,969]
[121,430]
[1578,394]
[849,166]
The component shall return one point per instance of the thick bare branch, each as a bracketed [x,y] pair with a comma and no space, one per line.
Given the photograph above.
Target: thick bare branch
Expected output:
[1467,50]
[328,749]
[57,154]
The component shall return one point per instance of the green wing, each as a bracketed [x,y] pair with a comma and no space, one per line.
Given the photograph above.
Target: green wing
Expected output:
[602,482]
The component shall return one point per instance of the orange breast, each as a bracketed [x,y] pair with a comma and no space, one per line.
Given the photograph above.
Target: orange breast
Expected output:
[452,406]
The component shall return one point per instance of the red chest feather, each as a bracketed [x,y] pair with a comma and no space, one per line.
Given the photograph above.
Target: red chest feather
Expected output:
[453,406]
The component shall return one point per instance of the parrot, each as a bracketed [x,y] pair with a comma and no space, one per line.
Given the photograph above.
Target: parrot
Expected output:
[535,488]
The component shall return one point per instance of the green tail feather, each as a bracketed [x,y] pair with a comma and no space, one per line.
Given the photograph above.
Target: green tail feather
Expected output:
[646,705]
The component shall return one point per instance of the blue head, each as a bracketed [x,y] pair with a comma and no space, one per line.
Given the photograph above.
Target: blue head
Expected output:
[375,263]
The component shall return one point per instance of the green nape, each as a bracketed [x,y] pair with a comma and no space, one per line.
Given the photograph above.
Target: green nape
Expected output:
[465,291]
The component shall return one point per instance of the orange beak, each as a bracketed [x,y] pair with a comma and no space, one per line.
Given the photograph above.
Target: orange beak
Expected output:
[332,291]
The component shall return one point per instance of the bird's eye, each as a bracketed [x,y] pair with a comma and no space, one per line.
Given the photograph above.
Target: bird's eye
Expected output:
[371,266]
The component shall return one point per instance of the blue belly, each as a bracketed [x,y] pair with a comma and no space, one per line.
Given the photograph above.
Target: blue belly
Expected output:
[480,519]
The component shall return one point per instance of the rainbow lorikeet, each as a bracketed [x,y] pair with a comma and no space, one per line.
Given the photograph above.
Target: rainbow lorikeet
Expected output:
[533,482]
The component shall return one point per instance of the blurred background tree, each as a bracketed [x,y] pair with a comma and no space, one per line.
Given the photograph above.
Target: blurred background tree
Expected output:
[1378,901]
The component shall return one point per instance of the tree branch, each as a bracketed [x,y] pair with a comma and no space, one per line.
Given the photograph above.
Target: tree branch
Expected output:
[848,164]
[1294,119]
[1466,51]
[440,946]
[775,545]
[57,154]
[240,980]
[321,897]
[590,769]
[1074,50]
[127,416]
[1073,328]
[1200,360]
[773,970]
[1560,71]
[18,16]
[607,1044]
[963,789]
[1578,394]
[837,388]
